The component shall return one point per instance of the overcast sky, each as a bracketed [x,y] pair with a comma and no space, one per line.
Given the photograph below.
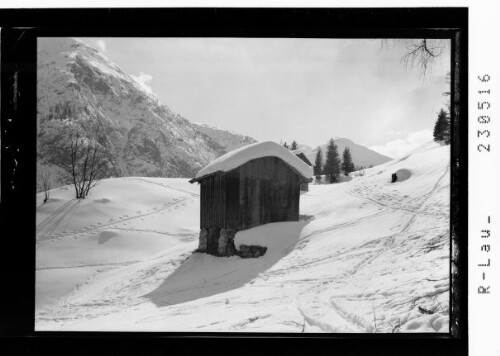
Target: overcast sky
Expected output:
[284,89]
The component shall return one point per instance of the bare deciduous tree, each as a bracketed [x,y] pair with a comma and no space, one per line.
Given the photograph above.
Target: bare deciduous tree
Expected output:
[421,53]
[86,164]
[46,181]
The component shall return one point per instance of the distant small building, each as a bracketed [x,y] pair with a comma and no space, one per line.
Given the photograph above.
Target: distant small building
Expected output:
[304,186]
[253,185]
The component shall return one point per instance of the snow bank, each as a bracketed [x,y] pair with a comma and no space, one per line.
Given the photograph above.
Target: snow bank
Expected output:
[274,236]
[403,174]
[244,154]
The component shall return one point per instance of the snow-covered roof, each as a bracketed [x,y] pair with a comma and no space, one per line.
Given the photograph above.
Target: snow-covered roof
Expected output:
[244,154]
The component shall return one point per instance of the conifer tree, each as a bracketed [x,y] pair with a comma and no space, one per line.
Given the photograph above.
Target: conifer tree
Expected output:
[442,128]
[294,145]
[332,162]
[347,164]
[318,164]
[285,145]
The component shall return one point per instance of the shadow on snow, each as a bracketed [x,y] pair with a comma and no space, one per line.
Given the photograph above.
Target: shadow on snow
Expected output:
[202,275]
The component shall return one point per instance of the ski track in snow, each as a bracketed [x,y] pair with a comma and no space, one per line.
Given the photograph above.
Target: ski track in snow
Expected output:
[426,199]
[119,297]
[55,219]
[111,264]
[59,217]
[385,243]
[163,185]
[385,198]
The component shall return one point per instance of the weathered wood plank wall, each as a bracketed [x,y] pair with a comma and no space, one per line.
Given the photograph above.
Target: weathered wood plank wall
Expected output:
[261,191]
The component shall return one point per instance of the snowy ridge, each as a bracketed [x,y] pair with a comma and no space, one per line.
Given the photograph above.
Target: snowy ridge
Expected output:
[229,140]
[214,127]
[242,155]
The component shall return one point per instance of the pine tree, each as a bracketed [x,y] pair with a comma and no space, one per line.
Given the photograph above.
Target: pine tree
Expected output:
[332,162]
[285,145]
[318,164]
[347,164]
[442,127]
[447,131]
[294,145]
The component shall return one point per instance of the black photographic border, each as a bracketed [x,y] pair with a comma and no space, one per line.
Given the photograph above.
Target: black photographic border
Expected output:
[18,167]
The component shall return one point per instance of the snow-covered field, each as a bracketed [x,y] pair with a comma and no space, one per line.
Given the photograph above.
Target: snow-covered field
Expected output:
[367,256]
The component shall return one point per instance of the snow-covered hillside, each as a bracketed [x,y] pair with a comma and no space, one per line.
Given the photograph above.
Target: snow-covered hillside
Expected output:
[367,256]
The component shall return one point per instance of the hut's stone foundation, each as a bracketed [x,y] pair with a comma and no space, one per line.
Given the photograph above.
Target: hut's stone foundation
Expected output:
[226,243]
[202,246]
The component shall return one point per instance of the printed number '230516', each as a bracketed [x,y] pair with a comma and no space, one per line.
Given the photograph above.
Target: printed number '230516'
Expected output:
[484,106]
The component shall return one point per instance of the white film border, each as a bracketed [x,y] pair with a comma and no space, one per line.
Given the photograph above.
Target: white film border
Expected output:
[484,142]
[484,168]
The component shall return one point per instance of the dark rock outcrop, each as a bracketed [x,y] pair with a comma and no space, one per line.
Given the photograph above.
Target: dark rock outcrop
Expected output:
[252,251]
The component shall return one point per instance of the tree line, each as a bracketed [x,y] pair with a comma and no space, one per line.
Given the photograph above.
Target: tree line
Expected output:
[333,165]
[293,146]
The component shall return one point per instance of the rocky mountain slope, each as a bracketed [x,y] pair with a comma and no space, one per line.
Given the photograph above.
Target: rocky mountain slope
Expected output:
[228,140]
[81,90]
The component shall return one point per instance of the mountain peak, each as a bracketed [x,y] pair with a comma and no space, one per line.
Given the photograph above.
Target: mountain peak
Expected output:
[80,88]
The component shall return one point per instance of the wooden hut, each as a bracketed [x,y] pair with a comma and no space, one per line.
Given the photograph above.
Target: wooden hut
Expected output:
[254,185]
